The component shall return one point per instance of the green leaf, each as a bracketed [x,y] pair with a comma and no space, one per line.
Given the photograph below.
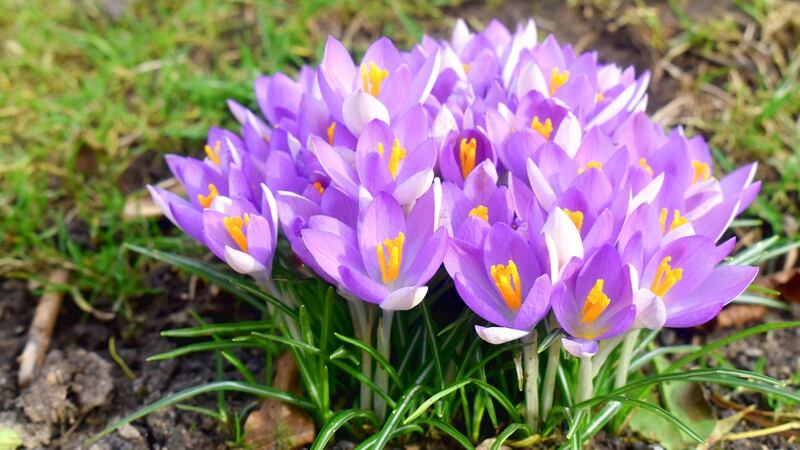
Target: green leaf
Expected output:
[448,430]
[380,359]
[657,424]
[397,413]
[434,398]
[201,347]
[218,386]
[337,421]
[218,328]
[507,433]
[279,339]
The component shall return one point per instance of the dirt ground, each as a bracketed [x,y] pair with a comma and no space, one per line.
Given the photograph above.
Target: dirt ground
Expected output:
[81,389]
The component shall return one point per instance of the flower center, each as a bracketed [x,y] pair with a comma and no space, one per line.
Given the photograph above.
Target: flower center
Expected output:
[235,225]
[557,80]
[599,97]
[677,220]
[397,154]
[481,212]
[206,200]
[576,217]
[545,129]
[390,255]
[371,79]
[596,302]
[331,130]
[645,166]
[319,187]
[701,171]
[213,153]
[466,67]
[506,279]
[590,165]
[466,154]
[666,277]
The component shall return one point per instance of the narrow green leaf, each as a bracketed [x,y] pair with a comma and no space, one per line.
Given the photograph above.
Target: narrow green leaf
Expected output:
[751,299]
[279,339]
[220,328]
[375,355]
[507,433]
[448,430]
[201,347]
[655,409]
[437,362]
[548,340]
[217,386]
[434,398]
[639,362]
[337,421]
[364,380]
[397,414]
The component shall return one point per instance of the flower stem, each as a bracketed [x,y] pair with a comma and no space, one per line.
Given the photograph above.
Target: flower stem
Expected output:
[384,348]
[531,371]
[625,358]
[585,379]
[362,324]
[606,347]
[549,382]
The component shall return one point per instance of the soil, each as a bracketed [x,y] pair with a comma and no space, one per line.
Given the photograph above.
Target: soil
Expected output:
[81,389]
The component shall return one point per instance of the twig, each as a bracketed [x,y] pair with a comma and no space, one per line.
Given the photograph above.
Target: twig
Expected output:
[41,330]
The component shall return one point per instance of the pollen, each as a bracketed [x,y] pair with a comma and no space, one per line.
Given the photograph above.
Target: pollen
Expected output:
[235,226]
[466,154]
[506,279]
[371,79]
[557,79]
[701,171]
[596,302]
[677,220]
[213,153]
[590,165]
[645,166]
[319,187]
[331,130]
[397,154]
[205,200]
[599,97]
[466,67]
[666,277]
[390,256]
[481,212]
[576,217]
[545,129]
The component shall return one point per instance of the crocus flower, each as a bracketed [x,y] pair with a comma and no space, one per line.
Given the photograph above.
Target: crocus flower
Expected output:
[506,282]
[389,257]
[597,304]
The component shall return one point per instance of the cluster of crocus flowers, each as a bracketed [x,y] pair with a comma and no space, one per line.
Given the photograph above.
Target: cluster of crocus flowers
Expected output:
[530,172]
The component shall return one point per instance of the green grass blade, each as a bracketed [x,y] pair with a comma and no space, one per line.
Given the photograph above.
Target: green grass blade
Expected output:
[708,348]
[434,398]
[397,413]
[448,430]
[437,362]
[548,340]
[364,380]
[337,421]
[218,386]
[375,355]
[655,409]
[507,433]
[201,347]
[219,328]
[751,299]
[640,361]
[281,340]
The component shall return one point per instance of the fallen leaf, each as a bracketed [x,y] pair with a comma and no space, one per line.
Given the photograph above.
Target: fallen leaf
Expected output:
[787,282]
[739,315]
[276,425]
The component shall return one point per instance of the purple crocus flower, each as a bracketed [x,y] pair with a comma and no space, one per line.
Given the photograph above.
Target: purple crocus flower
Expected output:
[597,304]
[389,257]
[506,281]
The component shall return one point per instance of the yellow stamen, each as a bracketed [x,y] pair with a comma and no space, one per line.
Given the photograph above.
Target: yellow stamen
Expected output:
[506,279]
[545,129]
[677,220]
[666,277]
[645,166]
[206,200]
[599,97]
[331,130]
[213,153]
[701,171]
[398,154]
[235,226]
[466,154]
[576,217]
[481,212]
[590,165]
[466,67]
[319,187]
[596,302]
[389,264]
[557,80]
[371,79]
